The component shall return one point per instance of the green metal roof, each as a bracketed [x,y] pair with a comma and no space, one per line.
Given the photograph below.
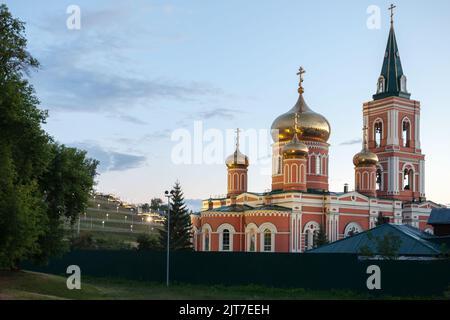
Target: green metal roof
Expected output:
[439,216]
[392,70]
[272,207]
[414,242]
[232,208]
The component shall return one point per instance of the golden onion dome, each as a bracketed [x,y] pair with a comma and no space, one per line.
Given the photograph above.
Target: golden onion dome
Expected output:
[365,158]
[312,126]
[295,148]
[237,159]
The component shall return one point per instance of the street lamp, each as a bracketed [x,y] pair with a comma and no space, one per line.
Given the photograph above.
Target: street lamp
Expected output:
[168,195]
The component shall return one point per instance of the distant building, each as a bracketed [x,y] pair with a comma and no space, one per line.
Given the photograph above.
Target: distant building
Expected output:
[389,177]
[440,221]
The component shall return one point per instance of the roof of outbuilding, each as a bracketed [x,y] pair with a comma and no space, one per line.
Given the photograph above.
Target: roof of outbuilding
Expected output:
[414,242]
[232,208]
[439,216]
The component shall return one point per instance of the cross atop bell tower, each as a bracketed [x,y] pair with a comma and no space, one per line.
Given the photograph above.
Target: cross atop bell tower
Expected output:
[391,8]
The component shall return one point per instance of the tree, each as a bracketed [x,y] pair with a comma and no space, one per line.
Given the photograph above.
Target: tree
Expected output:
[180,223]
[381,219]
[155,204]
[386,247]
[320,237]
[147,242]
[40,180]
[145,207]
[66,185]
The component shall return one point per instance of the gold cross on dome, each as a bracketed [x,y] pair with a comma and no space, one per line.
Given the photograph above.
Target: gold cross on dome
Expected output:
[300,73]
[391,8]
[237,137]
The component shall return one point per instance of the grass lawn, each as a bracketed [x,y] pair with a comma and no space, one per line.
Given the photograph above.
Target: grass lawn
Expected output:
[30,285]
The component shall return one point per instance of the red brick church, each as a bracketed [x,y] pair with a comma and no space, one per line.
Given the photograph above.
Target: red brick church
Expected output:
[389,177]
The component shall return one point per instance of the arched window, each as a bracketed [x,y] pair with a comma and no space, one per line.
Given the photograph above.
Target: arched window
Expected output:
[403,84]
[318,164]
[252,243]
[226,240]
[406,132]
[267,240]
[279,164]
[267,233]
[206,241]
[250,233]
[226,232]
[351,229]
[408,177]
[378,131]
[379,179]
[380,86]
[310,231]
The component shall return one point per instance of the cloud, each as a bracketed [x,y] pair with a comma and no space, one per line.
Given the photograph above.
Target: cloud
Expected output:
[150,137]
[110,160]
[95,91]
[127,118]
[96,69]
[351,142]
[220,113]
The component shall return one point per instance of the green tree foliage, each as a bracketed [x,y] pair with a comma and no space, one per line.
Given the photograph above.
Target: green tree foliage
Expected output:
[145,208]
[381,219]
[386,247]
[320,237]
[155,204]
[66,184]
[41,181]
[147,242]
[180,223]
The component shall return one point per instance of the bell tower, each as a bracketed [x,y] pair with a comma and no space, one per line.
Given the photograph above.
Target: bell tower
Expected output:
[393,121]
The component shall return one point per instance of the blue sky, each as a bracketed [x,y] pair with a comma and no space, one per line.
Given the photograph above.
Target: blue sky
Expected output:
[138,70]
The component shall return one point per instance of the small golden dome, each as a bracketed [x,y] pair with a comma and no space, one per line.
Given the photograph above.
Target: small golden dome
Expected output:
[295,148]
[312,126]
[365,158]
[237,159]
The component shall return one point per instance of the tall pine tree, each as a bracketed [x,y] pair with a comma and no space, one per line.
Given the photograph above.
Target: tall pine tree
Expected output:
[180,223]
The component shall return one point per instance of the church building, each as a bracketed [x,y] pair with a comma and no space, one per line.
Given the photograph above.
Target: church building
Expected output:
[389,177]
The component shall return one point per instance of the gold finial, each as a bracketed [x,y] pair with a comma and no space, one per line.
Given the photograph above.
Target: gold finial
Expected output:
[391,8]
[300,73]
[237,138]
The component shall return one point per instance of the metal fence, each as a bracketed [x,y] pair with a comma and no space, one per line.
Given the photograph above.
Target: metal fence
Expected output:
[283,270]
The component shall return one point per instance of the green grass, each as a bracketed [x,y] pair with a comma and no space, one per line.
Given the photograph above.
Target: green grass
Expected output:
[30,285]
[37,286]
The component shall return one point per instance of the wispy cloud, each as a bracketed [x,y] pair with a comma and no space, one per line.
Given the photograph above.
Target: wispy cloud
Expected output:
[220,113]
[110,160]
[351,142]
[84,70]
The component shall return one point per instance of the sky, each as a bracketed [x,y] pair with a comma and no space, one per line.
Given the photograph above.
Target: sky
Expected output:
[138,81]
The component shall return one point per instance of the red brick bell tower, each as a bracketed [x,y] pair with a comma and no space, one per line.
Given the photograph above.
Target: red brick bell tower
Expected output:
[393,121]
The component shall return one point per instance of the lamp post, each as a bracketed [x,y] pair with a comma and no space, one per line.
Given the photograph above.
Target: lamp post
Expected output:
[168,195]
